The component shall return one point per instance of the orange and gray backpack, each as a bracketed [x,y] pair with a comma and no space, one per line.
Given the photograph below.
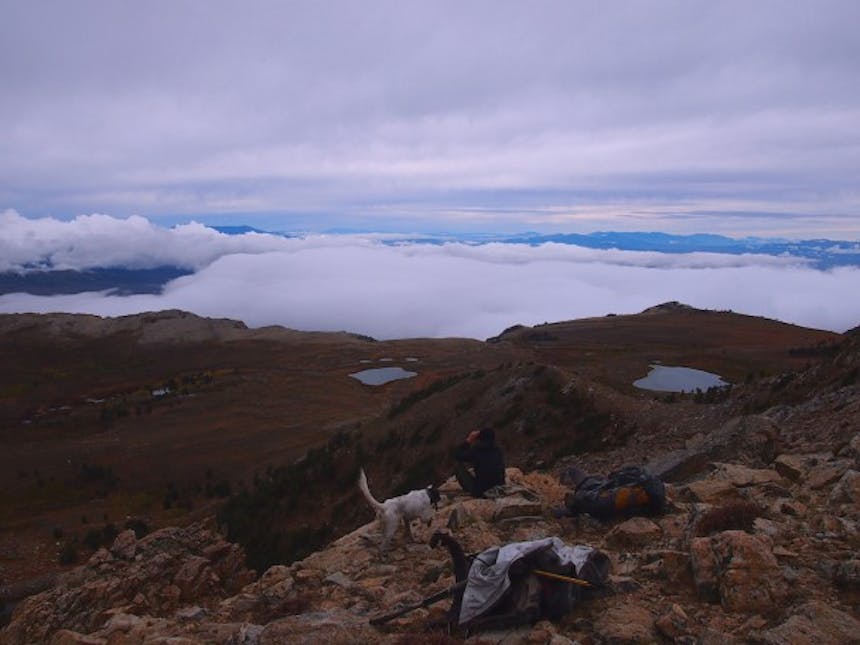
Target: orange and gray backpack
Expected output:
[629,491]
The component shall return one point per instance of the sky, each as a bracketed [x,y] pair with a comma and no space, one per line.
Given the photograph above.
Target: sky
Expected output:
[388,288]
[127,128]
[739,118]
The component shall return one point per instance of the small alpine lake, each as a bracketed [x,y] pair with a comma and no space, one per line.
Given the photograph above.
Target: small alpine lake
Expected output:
[665,378]
[382,375]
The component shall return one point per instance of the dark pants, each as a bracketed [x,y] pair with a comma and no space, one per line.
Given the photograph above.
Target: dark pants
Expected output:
[467,480]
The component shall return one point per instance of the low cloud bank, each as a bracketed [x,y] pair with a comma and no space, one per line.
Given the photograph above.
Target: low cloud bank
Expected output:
[361,285]
[90,241]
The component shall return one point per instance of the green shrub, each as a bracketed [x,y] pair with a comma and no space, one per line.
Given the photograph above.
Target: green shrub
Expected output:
[437,386]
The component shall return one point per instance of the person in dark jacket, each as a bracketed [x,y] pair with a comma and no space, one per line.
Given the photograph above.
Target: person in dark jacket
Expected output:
[486,460]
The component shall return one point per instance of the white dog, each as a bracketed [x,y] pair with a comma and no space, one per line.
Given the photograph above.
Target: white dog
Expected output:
[417,504]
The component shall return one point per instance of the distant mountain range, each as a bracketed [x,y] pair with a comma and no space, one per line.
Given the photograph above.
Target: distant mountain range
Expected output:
[820,254]
[116,279]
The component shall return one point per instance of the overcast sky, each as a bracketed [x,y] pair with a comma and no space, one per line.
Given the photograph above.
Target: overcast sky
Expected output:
[692,116]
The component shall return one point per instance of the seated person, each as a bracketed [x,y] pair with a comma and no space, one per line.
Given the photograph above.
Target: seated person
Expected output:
[486,460]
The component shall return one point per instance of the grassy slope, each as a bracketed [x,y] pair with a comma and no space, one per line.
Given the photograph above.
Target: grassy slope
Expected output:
[243,410]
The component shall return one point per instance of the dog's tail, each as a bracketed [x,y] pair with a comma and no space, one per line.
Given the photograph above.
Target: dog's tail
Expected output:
[362,484]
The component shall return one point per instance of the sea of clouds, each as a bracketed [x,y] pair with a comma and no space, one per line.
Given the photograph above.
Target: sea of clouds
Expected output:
[376,286]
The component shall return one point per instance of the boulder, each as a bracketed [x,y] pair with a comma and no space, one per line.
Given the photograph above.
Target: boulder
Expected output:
[195,578]
[319,627]
[275,576]
[626,623]
[473,510]
[674,527]
[705,567]
[789,507]
[676,567]
[513,507]
[742,476]
[713,491]
[814,623]
[68,637]
[635,532]
[751,439]
[764,526]
[852,450]
[847,575]
[821,476]
[791,467]
[340,579]
[847,489]
[739,570]
[674,623]
[124,545]
[796,467]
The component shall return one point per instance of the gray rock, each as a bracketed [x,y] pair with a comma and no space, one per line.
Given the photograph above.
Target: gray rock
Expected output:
[847,574]
[751,439]
[124,546]
[814,623]
[739,570]
[340,579]
[847,489]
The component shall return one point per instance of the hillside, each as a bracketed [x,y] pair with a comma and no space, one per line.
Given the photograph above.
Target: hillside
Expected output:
[758,545]
[552,392]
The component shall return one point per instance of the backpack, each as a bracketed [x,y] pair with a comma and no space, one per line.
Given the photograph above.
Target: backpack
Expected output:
[629,491]
[532,597]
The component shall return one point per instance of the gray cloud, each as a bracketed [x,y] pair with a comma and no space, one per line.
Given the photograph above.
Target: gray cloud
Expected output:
[414,111]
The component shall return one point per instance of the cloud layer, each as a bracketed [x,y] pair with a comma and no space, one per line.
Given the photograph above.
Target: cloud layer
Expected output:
[90,241]
[402,115]
[360,285]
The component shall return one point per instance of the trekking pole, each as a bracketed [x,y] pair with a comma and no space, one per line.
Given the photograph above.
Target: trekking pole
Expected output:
[558,576]
[436,597]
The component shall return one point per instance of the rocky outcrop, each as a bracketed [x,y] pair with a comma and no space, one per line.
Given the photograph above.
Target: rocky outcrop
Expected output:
[813,623]
[171,326]
[753,440]
[739,570]
[749,550]
[155,576]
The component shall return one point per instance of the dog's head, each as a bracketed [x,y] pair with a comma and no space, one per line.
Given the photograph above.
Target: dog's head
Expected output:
[433,494]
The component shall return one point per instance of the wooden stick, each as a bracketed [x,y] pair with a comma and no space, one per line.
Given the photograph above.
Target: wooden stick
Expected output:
[558,576]
[436,597]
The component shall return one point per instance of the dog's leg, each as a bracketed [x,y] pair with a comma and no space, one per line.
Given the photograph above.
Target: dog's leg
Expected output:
[389,527]
[408,525]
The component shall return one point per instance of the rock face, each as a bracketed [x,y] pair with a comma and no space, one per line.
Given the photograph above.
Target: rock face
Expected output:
[155,576]
[815,623]
[752,439]
[790,577]
[739,570]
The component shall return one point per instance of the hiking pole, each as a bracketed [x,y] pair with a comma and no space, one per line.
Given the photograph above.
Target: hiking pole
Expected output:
[436,597]
[558,576]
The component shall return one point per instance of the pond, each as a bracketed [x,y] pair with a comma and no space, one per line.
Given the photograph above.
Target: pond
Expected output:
[663,378]
[382,375]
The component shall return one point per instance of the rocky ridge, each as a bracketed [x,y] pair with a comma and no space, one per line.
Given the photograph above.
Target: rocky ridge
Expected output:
[171,326]
[759,544]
